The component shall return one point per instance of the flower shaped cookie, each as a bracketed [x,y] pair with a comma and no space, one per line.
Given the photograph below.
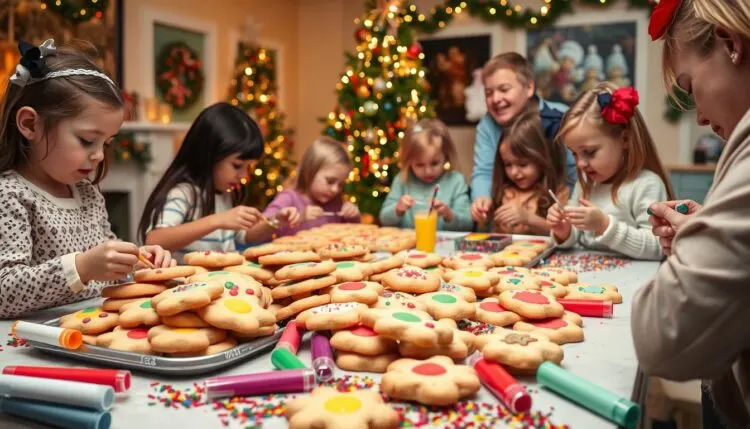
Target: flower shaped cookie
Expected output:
[523,351]
[433,381]
[327,408]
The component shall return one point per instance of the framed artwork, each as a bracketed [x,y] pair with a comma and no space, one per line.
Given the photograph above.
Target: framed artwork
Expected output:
[585,49]
[451,63]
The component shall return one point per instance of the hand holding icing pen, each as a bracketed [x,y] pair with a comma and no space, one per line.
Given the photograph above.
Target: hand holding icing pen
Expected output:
[284,381]
[432,199]
[56,415]
[588,307]
[284,355]
[322,357]
[501,384]
[597,399]
[681,208]
[53,335]
[145,261]
[117,378]
[72,393]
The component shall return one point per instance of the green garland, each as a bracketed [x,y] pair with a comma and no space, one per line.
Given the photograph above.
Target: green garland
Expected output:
[77,11]
[126,148]
[179,75]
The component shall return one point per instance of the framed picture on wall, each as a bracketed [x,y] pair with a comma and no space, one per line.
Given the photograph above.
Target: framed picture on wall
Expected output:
[585,49]
[452,65]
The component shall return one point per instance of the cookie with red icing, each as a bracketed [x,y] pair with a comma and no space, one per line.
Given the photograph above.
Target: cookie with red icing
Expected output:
[356,291]
[213,259]
[531,304]
[413,326]
[362,340]
[331,316]
[411,280]
[553,288]
[447,305]
[433,381]
[468,260]
[519,351]
[327,408]
[605,292]
[560,330]
[421,259]
[490,311]
[513,258]
[133,340]
[90,321]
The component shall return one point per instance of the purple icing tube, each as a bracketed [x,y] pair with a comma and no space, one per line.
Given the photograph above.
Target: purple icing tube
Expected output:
[284,381]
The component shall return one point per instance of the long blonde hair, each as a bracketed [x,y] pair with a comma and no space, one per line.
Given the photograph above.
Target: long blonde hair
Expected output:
[426,134]
[324,151]
[641,152]
[693,28]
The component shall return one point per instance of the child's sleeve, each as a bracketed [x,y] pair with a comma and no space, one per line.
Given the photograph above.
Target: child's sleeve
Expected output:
[176,207]
[23,287]
[281,200]
[388,216]
[459,203]
[638,241]
[574,232]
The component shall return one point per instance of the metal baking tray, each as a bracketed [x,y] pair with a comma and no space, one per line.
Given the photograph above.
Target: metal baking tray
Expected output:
[542,256]
[160,364]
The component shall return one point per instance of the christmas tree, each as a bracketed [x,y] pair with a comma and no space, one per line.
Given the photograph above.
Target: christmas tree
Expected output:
[381,92]
[254,90]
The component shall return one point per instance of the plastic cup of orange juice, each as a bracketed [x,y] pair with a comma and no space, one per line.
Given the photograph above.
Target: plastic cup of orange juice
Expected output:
[426,226]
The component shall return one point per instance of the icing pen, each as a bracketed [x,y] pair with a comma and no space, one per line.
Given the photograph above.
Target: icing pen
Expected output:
[56,415]
[281,358]
[145,260]
[501,384]
[116,378]
[52,335]
[597,399]
[291,337]
[322,357]
[681,208]
[432,199]
[588,307]
[285,381]
[72,393]
[554,197]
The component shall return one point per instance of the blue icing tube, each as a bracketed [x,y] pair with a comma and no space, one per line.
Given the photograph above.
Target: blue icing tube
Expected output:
[56,415]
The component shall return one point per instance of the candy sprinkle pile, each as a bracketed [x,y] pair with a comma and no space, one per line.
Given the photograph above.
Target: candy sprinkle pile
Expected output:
[250,412]
[14,341]
[350,383]
[582,262]
[170,397]
[476,328]
[471,414]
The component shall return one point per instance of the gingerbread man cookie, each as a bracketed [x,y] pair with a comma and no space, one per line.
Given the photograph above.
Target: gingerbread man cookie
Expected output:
[597,293]
[331,316]
[304,270]
[461,347]
[560,330]
[391,300]
[213,259]
[133,290]
[523,351]
[468,260]
[413,326]
[419,259]
[133,340]
[186,297]
[356,291]
[241,313]
[433,381]
[447,305]
[138,313]
[513,258]
[327,408]
[305,286]
[252,269]
[491,312]
[531,304]
[410,280]
[351,271]
[362,340]
[161,274]
[466,293]
[90,321]
[183,340]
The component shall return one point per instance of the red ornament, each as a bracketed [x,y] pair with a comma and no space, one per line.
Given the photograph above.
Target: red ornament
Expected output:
[414,50]
[354,80]
[365,165]
[360,35]
[661,17]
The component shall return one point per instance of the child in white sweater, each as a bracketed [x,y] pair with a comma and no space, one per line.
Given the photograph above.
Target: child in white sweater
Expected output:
[619,176]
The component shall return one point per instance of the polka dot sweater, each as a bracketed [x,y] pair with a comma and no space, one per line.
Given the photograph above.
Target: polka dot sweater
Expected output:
[39,237]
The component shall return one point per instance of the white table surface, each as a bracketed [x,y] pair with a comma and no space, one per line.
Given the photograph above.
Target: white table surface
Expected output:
[606,357]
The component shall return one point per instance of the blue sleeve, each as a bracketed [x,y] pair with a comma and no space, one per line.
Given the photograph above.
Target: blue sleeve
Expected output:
[459,204]
[485,147]
[388,216]
[551,115]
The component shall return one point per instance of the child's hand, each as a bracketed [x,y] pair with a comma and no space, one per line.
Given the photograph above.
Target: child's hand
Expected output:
[111,260]
[511,214]
[312,213]
[288,216]
[349,210]
[160,257]
[588,217]
[558,225]
[480,209]
[240,217]
[443,210]
[405,203]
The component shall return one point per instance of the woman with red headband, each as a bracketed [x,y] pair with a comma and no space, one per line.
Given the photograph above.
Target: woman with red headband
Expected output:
[692,321]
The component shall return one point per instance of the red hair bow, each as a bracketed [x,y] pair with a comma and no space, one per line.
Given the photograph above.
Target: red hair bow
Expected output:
[618,107]
[661,16]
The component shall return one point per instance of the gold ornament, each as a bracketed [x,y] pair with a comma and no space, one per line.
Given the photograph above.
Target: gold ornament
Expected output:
[363,91]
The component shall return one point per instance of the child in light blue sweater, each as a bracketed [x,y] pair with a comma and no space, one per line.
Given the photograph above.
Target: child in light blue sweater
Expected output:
[427,158]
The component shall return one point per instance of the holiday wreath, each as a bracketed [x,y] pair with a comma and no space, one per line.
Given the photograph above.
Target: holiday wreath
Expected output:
[179,75]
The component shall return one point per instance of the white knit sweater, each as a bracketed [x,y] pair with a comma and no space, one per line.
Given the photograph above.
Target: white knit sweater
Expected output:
[628,232]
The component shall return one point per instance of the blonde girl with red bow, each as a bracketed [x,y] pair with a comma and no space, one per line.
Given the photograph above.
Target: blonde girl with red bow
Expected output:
[619,176]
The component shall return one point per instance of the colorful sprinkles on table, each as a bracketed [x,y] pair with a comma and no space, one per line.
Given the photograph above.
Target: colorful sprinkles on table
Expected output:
[582,262]
[476,328]
[471,414]
[14,341]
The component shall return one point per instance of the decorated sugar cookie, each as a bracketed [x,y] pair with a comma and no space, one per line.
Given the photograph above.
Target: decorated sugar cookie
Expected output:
[255,252]
[361,363]
[468,260]
[572,275]
[351,271]
[513,258]
[553,288]
[420,259]
[413,326]
[447,305]
[115,304]
[241,313]
[573,317]
[410,280]
[90,321]
[356,291]
[386,264]
[286,257]
[562,277]
[490,311]
[186,319]
[460,348]
[213,258]
[161,274]
[234,283]
[339,251]
[391,300]
[508,270]
[437,270]
[130,340]
[433,381]
[186,297]
[393,244]
[604,292]
[133,290]
[180,340]
[138,313]
[362,340]
[516,282]
[327,408]
[305,286]
[305,270]
[331,316]
[301,305]
[294,243]
[261,332]
[466,292]
[531,304]
[228,343]
[475,278]
[523,351]
[560,330]
[527,246]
